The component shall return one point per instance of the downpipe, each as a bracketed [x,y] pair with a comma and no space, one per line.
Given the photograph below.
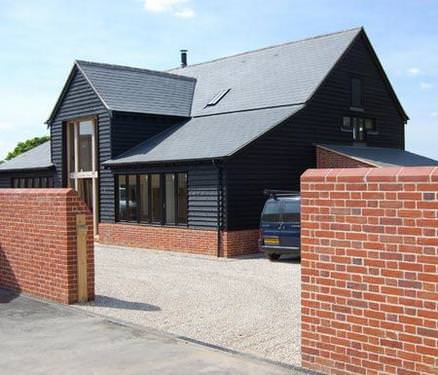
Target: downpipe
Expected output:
[219,168]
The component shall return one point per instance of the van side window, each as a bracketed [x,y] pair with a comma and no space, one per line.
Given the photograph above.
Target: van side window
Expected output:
[291,211]
[271,212]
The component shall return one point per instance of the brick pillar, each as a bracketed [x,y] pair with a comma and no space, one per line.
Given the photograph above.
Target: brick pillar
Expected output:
[38,243]
[369,263]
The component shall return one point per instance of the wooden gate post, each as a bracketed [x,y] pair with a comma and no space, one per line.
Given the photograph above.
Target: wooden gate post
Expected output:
[81,241]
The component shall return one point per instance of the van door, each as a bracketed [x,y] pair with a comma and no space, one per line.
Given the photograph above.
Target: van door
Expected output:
[290,227]
[271,223]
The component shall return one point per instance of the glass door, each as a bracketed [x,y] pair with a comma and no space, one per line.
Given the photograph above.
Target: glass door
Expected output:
[82,163]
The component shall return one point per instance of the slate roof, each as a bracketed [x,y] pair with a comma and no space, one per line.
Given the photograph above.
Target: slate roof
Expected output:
[36,158]
[266,86]
[206,137]
[382,156]
[127,89]
[263,87]
[280,75]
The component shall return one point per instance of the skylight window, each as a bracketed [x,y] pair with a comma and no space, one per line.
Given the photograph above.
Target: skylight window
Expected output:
[217,97]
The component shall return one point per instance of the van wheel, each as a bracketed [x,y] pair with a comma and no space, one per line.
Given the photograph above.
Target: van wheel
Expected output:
[274,256]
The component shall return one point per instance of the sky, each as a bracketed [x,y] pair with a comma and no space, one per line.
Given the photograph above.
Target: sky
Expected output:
[41,39]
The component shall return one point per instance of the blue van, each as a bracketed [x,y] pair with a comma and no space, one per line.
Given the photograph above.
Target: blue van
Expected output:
[280,224]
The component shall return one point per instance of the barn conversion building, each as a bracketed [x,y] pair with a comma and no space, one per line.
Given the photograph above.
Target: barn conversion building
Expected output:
[179,159]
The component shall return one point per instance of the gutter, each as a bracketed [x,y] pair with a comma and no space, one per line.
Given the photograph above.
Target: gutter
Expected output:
[27,170]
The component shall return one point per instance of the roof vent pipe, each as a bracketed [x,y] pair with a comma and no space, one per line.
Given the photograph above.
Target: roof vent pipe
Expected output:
[183,58]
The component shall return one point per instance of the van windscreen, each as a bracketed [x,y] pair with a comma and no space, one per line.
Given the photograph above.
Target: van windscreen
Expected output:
[291,211]
[271,212]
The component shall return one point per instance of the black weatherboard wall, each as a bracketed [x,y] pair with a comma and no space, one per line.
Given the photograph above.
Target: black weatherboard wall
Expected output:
[128,129]
[277,159]
[5,182]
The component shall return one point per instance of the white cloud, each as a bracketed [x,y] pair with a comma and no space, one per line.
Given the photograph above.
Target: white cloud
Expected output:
[176,7]
[185,13]
[414,71]
[425,85]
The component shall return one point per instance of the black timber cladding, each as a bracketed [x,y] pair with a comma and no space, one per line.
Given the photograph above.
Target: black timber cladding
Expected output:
[5,181]
[277,159]
[80,100]
[128,129]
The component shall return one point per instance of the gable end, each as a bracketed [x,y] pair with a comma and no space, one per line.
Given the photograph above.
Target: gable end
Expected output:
[74,71]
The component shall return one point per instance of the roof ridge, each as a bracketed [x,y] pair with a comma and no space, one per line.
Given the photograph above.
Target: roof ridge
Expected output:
[359,28]
[134,69]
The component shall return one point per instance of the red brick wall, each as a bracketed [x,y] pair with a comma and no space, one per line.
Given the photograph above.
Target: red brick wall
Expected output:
[186,240]
[330,159]
[369,262]
[38,243]
[241,242]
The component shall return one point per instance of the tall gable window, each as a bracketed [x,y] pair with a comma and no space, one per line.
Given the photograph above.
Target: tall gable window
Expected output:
[356,93]
[82,165]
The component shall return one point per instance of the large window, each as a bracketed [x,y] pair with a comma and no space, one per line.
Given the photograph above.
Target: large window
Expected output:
[32,182]
[153,198]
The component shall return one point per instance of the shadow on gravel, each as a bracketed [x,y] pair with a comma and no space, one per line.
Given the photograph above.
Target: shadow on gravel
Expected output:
[7,296]
[115,303]
[285,259]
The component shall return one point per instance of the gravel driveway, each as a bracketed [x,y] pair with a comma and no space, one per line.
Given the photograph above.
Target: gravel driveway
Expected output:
[250,305]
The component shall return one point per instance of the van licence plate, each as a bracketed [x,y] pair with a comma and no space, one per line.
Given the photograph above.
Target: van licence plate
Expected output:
[271,241]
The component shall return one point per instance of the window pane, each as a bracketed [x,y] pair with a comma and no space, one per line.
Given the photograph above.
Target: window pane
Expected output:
[71,147]
[182,198]
[144,198]
[360,130]
[15,182]
[123,209]
[346,122]
[291,211]
[132,198]
[170,198]
[85,191]
[44,182]
[356,92]
[22,183]
[370,125]
[85,145]
[271,212]
[49,182]
[156,198]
